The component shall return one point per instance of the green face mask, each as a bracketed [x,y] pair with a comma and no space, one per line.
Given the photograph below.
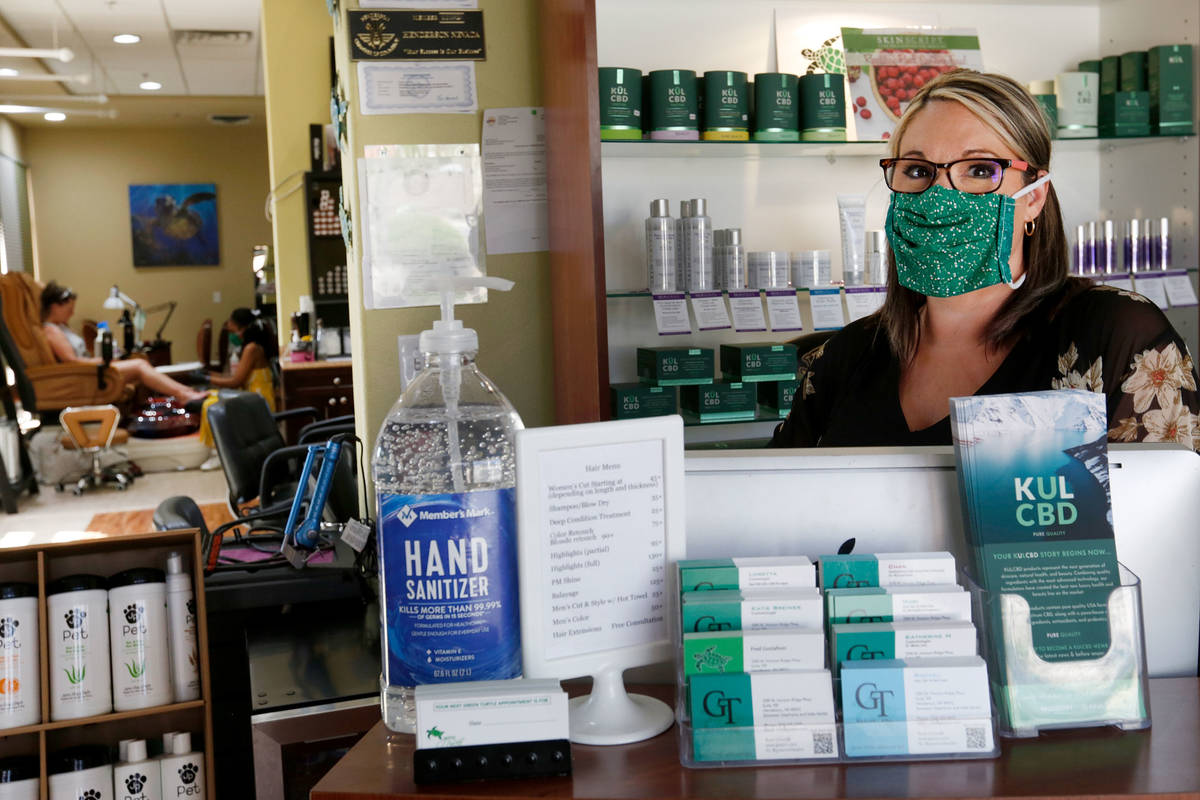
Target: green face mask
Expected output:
[235,340]
[948,242]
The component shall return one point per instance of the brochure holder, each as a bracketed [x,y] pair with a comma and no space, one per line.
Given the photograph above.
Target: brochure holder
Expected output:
[1032,695]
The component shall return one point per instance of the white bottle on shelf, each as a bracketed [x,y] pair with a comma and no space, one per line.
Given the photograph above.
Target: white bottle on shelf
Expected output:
[182,771]
[19,779]
[141,666]
[137,777]
[181,628]
[20,673]
[698,233]
[661,248]
[77,629]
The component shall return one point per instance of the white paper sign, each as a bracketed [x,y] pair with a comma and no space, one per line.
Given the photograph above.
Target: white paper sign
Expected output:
[1153,288]
[827,311]
[783,310]
[514,180]
[864,300]
[416,87]
[1121,280]
[671,314]
[1180,291]
[709,308]
[603,519]
[418,4]
[747,310]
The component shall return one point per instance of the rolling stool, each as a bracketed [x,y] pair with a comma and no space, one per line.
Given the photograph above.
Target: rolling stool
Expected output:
[93,430]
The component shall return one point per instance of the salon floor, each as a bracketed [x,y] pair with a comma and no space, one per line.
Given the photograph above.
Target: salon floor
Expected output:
[51,511]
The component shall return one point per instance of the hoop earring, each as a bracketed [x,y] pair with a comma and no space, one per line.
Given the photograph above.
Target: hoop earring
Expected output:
[1030,227]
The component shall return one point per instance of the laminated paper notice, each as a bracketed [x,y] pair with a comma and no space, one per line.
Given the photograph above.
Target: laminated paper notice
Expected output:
[864,300]
[747,311]
[671,314]
[709,308]
[826,307]
[1153,288]
[514,180]
[605,545]
[783,310]
[1180,291]
[417,87]
[420,221]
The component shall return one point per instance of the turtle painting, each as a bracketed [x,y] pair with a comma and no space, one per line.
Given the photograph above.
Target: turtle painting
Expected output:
[174,224]
[826,58]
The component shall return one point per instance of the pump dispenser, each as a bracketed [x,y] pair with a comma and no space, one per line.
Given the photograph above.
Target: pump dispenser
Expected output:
[445,471]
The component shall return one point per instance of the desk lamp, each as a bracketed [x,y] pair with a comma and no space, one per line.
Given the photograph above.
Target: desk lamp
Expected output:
[119,301]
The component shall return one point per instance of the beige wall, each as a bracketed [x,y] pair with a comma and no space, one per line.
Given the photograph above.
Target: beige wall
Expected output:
[10,140]
[80,180]
[514,327]
[296,67]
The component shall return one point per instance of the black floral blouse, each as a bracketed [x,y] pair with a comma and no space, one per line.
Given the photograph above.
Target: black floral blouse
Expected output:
[1103,339]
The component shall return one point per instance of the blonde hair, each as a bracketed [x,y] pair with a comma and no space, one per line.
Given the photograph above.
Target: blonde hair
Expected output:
[1011,113]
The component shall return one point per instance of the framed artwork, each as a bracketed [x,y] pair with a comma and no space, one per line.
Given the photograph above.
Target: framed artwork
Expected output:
[174,224]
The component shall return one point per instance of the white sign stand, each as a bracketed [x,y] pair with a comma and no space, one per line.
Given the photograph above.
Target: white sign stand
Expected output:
[600,510]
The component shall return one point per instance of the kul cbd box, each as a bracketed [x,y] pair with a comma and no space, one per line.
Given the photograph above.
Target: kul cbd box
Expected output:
[753,651]
[1110,74]
[762,716]
[751,610]
[1170,84]
[777,396]
[877,641]
[917,706]
[886,569]
[751,363]
[754,572]
[490,712]
[898,604]
[675,366]
[638,400]
[723,401]
[1124,114]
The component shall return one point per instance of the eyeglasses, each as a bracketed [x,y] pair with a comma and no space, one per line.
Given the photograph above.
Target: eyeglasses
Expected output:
[971,175]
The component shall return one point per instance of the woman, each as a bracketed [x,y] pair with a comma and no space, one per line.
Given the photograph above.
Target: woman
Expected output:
[980,302]
[259,350]
[58,304]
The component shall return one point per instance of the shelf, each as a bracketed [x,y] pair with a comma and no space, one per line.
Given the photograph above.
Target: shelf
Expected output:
[690,420]
[115,716]
[646,292]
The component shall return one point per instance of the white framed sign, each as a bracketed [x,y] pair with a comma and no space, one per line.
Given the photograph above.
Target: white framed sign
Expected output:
[600,515]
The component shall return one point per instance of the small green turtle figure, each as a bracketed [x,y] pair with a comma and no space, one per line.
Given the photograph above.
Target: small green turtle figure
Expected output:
[827,58]
[710,660]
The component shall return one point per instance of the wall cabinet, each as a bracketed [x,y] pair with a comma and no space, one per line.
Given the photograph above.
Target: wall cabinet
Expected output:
[326,250]
[783,196]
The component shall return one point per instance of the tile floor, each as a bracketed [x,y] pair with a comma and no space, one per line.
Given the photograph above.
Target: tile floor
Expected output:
[50,511]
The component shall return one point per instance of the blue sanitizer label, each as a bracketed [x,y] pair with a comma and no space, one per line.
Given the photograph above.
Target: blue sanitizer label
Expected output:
[449,569]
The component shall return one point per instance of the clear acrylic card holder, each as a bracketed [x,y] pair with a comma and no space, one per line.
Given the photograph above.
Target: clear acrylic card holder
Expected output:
[1031,694]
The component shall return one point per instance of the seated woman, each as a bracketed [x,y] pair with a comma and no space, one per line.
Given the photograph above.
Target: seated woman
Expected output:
[979,300]
[259,350]
[58,304]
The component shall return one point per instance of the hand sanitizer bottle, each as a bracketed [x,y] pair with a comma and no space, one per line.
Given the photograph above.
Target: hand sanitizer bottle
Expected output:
[445,471]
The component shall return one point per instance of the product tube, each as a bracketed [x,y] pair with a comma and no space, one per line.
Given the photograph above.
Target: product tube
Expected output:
[661,247]
[1164,243]
[698,247]
[77,629]
[182,771]
[1079,251]
[734,261]
[136,776]
[1091,248]
[1108,249]
[852,216]
[181,628]
[138,634]
[681,245]
[1149,240]
[718,240]
[876,246]
[1134,254]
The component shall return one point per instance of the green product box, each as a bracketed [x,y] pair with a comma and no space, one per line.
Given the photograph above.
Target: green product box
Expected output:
[1170,85]
[1110,74]
[776,107]
[1133,71]
[752,610]
[758,362]
[756,572]
[1124,114]
[822,108]
[620,103]
[723,401]
[675,366]
[637,400]
[1092,65]
[777,396]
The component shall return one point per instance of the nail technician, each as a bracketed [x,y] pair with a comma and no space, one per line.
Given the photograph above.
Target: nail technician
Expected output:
[979,300]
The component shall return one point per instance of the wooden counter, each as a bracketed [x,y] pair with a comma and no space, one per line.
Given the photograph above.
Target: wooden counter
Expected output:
[1093,763]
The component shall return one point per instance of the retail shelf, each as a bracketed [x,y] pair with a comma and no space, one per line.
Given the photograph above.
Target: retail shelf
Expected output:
[153,711]
[690,420]
[646,292]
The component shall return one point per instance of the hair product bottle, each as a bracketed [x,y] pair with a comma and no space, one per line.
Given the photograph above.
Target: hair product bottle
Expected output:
[181,627]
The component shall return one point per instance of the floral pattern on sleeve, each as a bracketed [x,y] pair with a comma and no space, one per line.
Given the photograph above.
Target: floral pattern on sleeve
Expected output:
[1091,379]
[806,362]
[1156,384]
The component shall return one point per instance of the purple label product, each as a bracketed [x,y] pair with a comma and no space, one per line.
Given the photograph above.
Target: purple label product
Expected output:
[1106,258]
[662,250]
[1163,248]
[674,105]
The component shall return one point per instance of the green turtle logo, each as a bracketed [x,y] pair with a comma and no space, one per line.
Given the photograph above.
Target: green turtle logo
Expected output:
[710,660]
[433,733]
[827,58]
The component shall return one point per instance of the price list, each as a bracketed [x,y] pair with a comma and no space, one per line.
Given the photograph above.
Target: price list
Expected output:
[604,546]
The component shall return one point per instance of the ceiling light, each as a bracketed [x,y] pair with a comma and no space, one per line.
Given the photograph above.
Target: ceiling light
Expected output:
[54,116]
[150,86]
[8,72]
[127,38]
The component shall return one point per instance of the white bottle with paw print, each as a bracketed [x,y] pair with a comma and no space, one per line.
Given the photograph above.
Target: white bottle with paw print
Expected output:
[137,777]
[141,663]
[182,771]
[77,632]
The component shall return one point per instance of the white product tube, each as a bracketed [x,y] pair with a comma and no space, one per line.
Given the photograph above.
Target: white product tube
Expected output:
[77,634]
[182,771]
[137,777]
[852,218]
[181,627]
[20,675]
[141,664]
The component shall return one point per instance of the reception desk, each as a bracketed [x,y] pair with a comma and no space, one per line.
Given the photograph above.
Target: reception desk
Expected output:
[1096,762]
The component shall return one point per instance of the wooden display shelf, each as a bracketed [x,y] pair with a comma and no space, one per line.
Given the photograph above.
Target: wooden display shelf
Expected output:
[46,557]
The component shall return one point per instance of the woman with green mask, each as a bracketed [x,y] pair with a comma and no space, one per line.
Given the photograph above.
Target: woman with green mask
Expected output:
[979,297]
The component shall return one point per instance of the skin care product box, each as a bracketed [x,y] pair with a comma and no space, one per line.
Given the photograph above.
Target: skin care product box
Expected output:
[1125,114]
[918,706]
[753,651]
[751,610]
[898,604]
[1133,71]
[875,641]
[675,366]
[637,400]
[721,402]
[758,362]
[756,572]
[1110,74]
[490,712]
[743,699]
[777,396]
[1170,84]
[886,569]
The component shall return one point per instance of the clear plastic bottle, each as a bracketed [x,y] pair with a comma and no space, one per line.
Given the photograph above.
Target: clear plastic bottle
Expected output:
[445,470]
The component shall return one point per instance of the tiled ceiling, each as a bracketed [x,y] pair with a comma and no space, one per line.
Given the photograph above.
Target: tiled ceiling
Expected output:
[216,64]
